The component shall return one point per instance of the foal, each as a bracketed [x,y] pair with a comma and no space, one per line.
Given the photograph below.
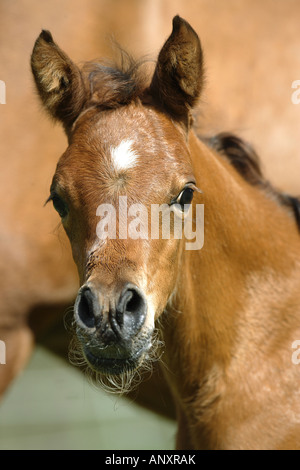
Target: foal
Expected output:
[227,313]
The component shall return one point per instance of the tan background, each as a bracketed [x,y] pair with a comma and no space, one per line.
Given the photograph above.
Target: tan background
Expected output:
[252,56]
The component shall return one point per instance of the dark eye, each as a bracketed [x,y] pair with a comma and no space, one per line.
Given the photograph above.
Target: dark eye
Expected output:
[185,198]
[59,205]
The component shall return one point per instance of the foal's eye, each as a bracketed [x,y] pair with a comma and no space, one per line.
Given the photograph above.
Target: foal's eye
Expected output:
[185,198]
[59,205]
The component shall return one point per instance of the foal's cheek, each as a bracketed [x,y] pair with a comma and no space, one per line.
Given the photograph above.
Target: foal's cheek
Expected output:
[79,257]
[162,278]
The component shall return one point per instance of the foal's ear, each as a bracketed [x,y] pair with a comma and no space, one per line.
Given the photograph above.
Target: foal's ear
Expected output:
[178,77]
[58,80]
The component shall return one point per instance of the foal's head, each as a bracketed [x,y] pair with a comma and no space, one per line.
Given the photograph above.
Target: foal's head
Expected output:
[127,152]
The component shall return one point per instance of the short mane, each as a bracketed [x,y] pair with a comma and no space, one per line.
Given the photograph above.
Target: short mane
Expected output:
[245,160]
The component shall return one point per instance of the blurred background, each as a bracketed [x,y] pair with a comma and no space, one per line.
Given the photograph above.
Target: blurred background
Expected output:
[252,57]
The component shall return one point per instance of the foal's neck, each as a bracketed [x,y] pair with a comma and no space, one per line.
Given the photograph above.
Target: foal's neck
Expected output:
[250,244]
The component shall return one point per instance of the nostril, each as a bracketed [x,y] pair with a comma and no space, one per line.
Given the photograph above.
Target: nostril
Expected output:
[131,309]
[135,302]
[84,308]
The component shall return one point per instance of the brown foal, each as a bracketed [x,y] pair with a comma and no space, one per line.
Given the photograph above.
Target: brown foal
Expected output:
[227,311]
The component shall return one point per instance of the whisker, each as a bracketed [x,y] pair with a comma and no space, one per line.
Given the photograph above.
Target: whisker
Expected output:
[113,384]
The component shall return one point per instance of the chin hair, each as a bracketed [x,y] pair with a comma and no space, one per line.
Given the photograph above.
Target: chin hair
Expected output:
[121,383]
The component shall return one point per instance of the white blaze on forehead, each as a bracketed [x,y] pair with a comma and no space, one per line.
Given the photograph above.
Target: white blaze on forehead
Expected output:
[123,156]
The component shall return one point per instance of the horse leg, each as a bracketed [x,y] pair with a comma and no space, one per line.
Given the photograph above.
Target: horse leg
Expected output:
[19,343]
[19,333]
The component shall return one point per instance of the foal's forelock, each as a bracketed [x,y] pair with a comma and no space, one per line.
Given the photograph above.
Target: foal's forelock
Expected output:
[115,83]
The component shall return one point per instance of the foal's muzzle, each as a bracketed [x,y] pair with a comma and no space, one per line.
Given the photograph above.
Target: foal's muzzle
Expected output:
[109,327]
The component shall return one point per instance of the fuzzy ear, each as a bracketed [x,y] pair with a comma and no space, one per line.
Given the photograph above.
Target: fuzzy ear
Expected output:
[58,80]
[178,77]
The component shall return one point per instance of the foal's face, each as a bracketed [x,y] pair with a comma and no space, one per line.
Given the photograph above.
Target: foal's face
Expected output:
[138,153]
[124,155]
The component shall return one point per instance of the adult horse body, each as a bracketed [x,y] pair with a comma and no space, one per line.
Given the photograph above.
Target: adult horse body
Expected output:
[228,313]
